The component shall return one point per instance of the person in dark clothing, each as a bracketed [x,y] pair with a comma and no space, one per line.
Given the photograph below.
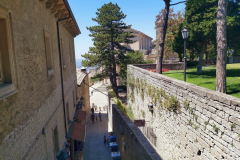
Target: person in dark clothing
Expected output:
[92,116]
[100,115]
[92,110]
[96,117]
[105,140]
[112,138]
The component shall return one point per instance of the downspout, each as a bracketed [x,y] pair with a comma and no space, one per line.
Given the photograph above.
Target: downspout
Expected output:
[61,72]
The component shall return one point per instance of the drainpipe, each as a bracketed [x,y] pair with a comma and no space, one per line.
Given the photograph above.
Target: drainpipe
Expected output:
[61,72]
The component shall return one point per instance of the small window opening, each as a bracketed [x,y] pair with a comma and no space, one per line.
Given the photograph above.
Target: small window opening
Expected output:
[199,152]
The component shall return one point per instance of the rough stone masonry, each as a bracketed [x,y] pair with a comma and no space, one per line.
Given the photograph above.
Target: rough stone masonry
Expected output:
[208,129]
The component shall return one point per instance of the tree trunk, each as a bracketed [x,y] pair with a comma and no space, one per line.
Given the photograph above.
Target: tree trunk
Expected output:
[200,60]
[221,46]
[113,75]
[206,58]
[235,51]
[114,84]
[162,37]
[180,57]
[192,55]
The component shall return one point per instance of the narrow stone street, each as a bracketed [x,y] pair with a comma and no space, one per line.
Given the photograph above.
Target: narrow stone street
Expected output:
[94,148]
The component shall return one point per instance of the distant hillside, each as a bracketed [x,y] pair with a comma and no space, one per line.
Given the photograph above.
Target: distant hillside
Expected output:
[79,63]
[79,60]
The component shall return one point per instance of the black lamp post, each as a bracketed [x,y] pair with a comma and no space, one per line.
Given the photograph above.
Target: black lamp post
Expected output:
[185,36]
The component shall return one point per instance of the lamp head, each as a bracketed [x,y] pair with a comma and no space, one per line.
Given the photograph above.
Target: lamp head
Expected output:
[185,33]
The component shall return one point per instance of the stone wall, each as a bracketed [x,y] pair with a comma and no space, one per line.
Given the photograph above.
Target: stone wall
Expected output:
[207,126]
[26,141]
[170,66]
[137,147]
[38,102]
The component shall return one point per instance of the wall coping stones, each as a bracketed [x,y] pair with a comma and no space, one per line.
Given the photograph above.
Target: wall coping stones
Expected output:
[140,138]
[211,94]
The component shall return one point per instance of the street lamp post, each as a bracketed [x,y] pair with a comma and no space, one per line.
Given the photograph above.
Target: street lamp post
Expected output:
[185,36]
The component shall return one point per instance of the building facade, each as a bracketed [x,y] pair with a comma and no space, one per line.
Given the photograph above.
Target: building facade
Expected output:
[83,85]
[142,41]
[38,85]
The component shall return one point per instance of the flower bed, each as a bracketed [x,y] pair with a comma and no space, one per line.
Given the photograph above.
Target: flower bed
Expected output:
[154,70]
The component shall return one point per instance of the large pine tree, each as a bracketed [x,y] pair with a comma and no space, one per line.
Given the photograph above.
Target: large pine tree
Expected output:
[221,46]
[109,37]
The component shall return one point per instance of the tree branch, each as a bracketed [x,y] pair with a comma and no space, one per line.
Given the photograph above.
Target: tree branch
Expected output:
[177,3]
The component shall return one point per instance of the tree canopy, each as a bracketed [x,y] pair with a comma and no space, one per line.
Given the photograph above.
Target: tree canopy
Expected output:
[200,19]
[131,58]
[175,19]
[108,36]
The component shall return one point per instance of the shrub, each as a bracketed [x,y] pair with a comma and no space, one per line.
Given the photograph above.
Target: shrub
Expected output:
[186,104]
[172,104]
[215,128]
[126,110]
[129,113]
[143,114]
[112,93]
[233,125]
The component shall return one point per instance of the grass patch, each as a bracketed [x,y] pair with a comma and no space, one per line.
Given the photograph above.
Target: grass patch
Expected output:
[215,128]
[208,78]
[233,125]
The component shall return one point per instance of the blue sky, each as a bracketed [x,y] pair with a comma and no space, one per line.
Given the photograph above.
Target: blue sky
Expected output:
[141,15]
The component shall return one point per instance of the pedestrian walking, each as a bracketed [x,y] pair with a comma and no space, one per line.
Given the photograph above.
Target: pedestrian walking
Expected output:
[92,116]
[105,140]
[92,92]
[100,115]
[96,117]
[92,110]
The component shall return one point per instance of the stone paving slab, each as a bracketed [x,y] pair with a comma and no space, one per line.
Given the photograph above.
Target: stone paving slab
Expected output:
[99,99]
[94,148]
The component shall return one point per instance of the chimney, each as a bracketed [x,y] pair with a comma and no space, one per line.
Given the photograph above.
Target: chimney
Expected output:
[84,70]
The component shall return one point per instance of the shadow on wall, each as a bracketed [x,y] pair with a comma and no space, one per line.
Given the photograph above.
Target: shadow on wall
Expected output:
[132,144]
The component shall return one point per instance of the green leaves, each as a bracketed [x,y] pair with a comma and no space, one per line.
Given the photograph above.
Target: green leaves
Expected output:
[108,37]
[131,58]
[174,21]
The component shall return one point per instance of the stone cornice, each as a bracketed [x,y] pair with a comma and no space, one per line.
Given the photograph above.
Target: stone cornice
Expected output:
[61,9]
[139,32]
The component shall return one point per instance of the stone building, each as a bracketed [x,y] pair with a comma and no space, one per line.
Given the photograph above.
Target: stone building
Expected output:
[77,130]
[142,41]
[38,85]
[83,84]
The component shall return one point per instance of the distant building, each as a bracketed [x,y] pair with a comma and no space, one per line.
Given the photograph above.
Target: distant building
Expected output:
[142,41]
[83,88]
[38,84]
